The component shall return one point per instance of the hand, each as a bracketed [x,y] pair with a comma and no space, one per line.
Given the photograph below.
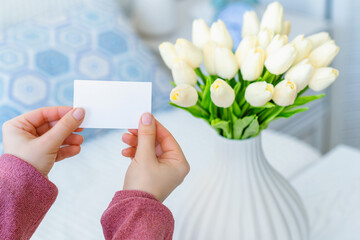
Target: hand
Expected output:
[158,164]
[44,136]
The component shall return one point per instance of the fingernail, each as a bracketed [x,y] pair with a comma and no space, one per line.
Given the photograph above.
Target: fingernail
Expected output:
[146,118]
[79,114]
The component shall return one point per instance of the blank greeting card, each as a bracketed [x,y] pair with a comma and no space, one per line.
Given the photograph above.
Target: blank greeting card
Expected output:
[112,104]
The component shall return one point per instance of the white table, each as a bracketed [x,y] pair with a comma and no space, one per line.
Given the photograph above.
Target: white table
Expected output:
[88,181]
[330,189]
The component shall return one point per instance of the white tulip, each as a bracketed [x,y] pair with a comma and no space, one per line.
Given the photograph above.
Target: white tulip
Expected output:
[250,24]
[300,74]
[322,56]
[303,47]
[200,33]
[168,53]
[264,38]
[220,35]
[276,43]
[184,95]
[226,65]
[209,57]
[322,78]
[247,43]
[222,93]
[187,51]
[253,66]
[273,18]
[183,74]
[286,28]
[259,93]
[279,62]
[285,93]
[319,39]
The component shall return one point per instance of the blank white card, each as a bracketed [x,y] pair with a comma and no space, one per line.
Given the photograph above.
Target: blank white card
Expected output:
[112,104]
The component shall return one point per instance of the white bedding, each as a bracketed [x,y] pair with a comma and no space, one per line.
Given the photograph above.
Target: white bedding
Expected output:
[88,181]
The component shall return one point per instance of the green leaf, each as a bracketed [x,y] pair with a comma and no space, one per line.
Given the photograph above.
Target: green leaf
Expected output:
[252,130]
[240,125]
[290,113]
[268,105]
[213,109]
[195,110]
[223,125]
[237,88]
[173,83]
[236,109]
[306,99]
[205,103]
[270,115]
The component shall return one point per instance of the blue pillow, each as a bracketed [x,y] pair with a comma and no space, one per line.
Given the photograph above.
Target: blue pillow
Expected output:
[40,59]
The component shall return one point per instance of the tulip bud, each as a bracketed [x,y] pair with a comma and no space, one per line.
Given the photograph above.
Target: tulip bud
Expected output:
[247,43]
[200,33]
[220,35]
[168,53]
[259,93]
[286,28]
[280,61]
[319,39]
[183,74]
[264,38]
[253,65]
[209,57]
[250,24]
[222,94]
[285,93]
[226,65]
[303,47]
[300,74]
[324,55]
[273,18]
[184,95]
[189,52]
[322,78]
[276,43]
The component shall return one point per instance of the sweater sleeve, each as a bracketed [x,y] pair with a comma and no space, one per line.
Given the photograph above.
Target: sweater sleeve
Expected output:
[137,215]
[25,197]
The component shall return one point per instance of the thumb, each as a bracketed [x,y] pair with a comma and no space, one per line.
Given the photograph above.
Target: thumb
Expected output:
[146,137]
[65,127]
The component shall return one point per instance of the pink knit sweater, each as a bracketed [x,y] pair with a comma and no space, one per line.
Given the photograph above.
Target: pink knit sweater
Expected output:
[26,196]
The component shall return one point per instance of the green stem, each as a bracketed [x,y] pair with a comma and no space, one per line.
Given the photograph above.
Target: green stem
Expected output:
[244,109]
[303,91]
[201,75]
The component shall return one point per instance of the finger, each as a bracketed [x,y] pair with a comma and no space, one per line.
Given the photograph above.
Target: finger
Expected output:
[158,150]
[73,139]
[64,128]
[166,139]
[129,152]
[67,152]
[42,115]
[43,129]
[133,131]
[146,138]
[48,125]
[53,123]
[130,139]
[79,130]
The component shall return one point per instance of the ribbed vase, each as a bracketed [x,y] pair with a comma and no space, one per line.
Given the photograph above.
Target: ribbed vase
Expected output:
[240,196]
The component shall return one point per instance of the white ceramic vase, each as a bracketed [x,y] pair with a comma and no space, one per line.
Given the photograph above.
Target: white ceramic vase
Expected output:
[240,196]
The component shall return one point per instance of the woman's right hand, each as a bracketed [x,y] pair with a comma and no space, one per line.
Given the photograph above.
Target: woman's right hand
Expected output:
[158,164]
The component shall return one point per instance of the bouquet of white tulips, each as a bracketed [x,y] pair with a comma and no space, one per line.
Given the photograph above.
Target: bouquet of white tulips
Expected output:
[262,81]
